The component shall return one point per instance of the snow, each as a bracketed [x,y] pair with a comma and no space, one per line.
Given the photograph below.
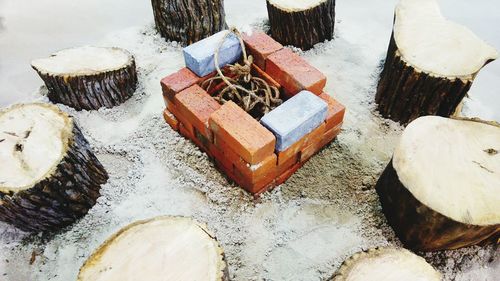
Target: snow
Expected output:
[302,230]
[83,61]
[457,148]
[436,45]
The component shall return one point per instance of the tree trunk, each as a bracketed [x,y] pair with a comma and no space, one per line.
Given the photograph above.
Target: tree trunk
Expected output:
[188,21]
[301,25]
[163,248]
[431,63]
[67,188]
[390,264]
[405,93]
[450,200]
[89,90]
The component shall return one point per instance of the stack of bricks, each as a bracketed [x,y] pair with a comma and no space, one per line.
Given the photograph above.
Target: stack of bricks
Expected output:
[256,155]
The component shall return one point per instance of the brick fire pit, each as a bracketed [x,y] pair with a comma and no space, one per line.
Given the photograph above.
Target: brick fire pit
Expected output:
[256,155]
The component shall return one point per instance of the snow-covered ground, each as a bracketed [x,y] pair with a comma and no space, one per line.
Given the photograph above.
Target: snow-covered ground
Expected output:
[304,229]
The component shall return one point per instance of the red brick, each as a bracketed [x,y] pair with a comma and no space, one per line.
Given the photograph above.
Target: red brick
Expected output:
[288,173]
[257,71]
[166,100]
[182,120]
[293,73]
[264,189]
[315,136]
[243,134]
[177,82]
[201,141]
[169,104]
[308,151]
[313,143]
[287,164]
[227,150]
[328,136]
[336,111]
[171,120]
[258,172]
[227,166]
[226,170]
[291,152]
[196,106]
[221,159]
[331,134]
[258,187]
[252,173]
[186,131]
[260,46]
[254,188]
[214,151]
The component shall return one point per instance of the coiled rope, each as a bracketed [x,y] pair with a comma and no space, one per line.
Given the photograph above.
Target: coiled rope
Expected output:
[252,94]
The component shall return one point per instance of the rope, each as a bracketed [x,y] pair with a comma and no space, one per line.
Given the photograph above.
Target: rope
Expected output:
[253,94]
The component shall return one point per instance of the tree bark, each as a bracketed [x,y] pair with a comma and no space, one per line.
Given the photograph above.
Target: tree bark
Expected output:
[302,28]
[188,21]
[421,228]
[405,93]
[61,197]
[92,91]
[150,233]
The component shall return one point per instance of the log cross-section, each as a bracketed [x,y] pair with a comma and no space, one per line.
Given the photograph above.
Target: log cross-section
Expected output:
[49,176]
[430,65]
[442,188]
[388,264]
[88,77]
[159,249]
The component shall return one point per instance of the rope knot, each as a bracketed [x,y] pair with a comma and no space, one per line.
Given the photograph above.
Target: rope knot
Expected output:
[244,70]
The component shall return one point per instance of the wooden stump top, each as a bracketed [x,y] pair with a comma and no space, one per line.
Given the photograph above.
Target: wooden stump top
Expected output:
[452,166]
[33,140]
[431,43]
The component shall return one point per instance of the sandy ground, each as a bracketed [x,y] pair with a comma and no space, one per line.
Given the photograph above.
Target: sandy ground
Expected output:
[302,230]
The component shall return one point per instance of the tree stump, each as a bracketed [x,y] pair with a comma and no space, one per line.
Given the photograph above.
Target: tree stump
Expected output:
[430,65]
[301,23]
[164,248]
[88,77]
[188,21]
[441,189]
[388,264]
[49,176]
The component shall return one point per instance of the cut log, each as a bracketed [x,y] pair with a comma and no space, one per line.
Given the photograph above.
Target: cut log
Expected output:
[163,248]
[49,176]
[386,264]
[88,77]
[301,23]
[430,65]
[188,21]
[442,187]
